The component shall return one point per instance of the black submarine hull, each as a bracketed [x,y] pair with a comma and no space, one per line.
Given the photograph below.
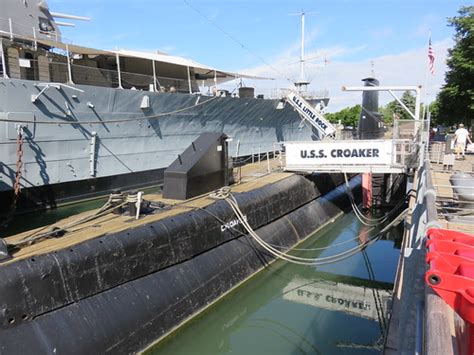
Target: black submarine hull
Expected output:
[120,292]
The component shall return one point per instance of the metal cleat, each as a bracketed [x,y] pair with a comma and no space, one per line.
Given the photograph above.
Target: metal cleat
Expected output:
[4,254]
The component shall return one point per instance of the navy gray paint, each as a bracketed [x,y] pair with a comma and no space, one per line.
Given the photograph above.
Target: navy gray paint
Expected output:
[60,153]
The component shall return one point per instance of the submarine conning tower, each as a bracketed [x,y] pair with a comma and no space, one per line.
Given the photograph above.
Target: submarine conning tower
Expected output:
[28,18]
[370,122]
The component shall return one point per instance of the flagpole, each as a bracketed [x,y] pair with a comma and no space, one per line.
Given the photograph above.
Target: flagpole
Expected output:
[427,69]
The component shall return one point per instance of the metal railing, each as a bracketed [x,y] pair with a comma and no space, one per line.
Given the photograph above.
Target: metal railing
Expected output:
[87,75]
[410,129]
[282,93]
[13,30]
[405,153]
[455,202]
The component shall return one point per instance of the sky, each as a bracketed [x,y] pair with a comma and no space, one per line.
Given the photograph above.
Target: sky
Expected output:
[262,38]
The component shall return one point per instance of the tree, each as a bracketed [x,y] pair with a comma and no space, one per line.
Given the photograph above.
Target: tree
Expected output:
[434,113]
[394,109]
[456,98]
[348,116]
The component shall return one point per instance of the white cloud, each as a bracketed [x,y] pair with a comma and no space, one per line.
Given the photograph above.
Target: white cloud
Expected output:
[428,22]
[405,68]
[383,33]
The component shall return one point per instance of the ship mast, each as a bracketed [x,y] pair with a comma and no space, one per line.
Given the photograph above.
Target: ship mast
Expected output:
[302,83]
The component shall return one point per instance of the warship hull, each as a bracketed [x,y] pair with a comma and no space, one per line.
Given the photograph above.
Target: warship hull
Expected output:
[82,141]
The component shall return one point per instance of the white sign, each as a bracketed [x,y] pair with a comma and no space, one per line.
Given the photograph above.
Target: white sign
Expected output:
[314,154]
[310,114]
[24,63]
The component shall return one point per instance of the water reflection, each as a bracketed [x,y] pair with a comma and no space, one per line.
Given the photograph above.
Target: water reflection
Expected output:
[338,308]
[352,299]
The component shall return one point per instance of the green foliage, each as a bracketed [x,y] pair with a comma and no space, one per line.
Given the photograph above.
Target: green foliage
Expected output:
[394,109]
[434,112]
[348,116]
[456,98]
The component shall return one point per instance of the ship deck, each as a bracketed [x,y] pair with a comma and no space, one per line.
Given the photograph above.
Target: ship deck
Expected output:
[250,177]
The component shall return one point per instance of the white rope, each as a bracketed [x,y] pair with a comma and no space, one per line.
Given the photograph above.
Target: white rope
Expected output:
[292,258]
[225,194]
[364,219]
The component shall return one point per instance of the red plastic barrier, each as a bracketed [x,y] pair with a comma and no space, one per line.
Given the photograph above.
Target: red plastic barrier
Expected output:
[451,272]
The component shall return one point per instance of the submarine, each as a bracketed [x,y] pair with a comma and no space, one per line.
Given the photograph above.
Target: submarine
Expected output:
[119,278]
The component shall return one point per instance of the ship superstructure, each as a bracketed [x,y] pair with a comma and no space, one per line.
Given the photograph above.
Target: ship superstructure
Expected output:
[76,122]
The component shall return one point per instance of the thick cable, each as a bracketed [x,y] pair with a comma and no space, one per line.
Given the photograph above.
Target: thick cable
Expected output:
[364,219]
[292,258]
[225,194]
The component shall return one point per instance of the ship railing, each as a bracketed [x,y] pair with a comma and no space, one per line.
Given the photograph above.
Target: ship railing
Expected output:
[454,206]
[278,93]
[281,93]
[57,72]
[3,73]
[410,129]
[14,30]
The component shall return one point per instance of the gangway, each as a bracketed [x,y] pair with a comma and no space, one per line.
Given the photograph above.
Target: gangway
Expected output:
[379,156]
[310,114]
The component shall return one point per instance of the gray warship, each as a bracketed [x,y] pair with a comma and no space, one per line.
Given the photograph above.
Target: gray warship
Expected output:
[78,122]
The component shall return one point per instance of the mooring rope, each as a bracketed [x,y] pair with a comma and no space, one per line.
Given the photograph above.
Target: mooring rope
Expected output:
[111,205]
[225,194]
[366,220]
[376,294]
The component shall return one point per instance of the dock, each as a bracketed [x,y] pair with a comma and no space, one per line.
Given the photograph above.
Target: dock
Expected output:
[422,322]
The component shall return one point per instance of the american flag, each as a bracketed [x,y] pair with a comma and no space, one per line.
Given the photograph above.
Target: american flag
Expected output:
[431,58]
[326,61]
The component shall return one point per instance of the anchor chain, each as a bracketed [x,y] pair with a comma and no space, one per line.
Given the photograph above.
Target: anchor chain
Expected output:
[19,166]
[18,174]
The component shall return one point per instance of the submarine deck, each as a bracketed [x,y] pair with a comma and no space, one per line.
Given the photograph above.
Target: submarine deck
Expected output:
[252,176]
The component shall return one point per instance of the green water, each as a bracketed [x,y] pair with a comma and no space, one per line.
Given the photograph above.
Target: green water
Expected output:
[339,308]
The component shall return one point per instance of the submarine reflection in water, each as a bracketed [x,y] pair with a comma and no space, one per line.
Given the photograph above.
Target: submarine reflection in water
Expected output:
[338,296]
[339,308]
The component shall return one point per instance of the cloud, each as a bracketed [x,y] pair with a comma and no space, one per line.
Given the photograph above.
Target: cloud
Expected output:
[428,22]
[405,68]
[382,33]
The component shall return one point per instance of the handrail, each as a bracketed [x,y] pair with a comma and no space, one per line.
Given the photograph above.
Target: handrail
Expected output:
[32,31]
[87,75]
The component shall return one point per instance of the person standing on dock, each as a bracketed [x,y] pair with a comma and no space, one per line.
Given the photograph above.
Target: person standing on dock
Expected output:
[461,137]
